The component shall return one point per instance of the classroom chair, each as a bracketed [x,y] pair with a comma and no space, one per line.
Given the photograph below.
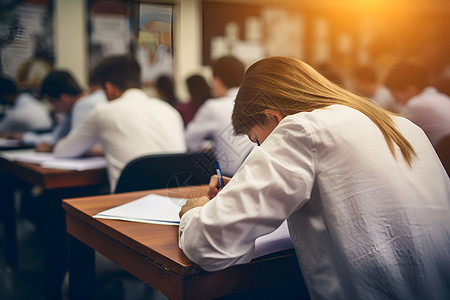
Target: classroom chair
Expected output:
[146,173]
[159,171]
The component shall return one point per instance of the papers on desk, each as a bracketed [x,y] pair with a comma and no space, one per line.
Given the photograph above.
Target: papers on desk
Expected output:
[275,241]
[31,156]
[77,164]
[157,209]
[47,160]
[152,209]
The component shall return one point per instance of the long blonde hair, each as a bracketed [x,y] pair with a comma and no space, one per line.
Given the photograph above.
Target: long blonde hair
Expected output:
[290,86]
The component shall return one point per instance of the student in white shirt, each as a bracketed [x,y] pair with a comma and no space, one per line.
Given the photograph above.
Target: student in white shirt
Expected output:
[130,125]
[213,118]
[366,199]
[70,103]
[423,104]
[365,83]
[26,112]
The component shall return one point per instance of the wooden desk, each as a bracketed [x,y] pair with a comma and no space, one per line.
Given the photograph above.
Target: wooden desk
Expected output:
[150,252]
[52,178]
[55,185]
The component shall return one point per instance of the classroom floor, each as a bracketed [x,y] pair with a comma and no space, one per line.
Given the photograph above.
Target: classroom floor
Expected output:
[28,281]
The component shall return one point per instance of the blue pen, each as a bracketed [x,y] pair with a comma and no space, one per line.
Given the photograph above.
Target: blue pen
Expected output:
[219,173]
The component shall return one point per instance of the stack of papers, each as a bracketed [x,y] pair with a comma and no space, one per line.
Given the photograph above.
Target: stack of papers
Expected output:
[157,209]
[47,160]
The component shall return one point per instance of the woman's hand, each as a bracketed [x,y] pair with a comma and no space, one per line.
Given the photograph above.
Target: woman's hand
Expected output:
[214,185]
[43,147]
[192,203]
[213,189]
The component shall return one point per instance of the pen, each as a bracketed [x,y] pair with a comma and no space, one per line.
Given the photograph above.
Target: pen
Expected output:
[219,173]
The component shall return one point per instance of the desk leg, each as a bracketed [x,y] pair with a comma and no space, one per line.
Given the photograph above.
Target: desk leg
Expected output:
[56,236]
[81,270]
[55,243]
[7,188]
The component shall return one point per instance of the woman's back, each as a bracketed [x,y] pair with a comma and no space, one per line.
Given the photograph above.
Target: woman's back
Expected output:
[382,225]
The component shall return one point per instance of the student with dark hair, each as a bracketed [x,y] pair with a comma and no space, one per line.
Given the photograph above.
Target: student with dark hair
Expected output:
[130,125]
[199,91]
[228,72]
[70,104]
[422,104]
[60,82]
[166,90]
[213,119]
[365,82]
[331,73]
[26,112]
[442,84]
[366,199]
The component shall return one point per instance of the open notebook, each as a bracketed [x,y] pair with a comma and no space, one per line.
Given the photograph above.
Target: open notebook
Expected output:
[157,209]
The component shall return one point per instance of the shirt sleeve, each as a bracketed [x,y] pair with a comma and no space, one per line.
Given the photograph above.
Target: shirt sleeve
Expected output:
[32,138]
[275,180]
[81,110]
[200,127]
[79,140]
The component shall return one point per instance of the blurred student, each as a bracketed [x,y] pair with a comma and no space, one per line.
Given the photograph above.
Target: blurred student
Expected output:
[69,102]
[25,112]
[331,73]
[130,125]
[365,83]
[422,104]
[442,84]
[366,199]
[213,119]
[166,90]
[199,91]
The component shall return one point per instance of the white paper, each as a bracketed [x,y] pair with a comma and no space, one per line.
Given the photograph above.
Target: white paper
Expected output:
[152,209]
[9,143]
[157,209]
[275,241]
[47,160]
[10,154]
[31,156]
[77,164]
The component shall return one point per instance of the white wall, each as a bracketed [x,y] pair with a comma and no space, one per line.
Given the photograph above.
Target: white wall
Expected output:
[187,43]
[70,37]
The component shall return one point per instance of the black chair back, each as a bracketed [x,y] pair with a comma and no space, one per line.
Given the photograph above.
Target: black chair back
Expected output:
[166,171]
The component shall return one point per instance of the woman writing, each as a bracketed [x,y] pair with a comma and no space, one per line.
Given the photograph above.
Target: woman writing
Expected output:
[366,198]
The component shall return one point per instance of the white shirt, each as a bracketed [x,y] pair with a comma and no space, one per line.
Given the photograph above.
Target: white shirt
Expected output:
[130,126]
[84,105]
[430,110]
[28,113]
[213,120]
[80,110]
[364,224]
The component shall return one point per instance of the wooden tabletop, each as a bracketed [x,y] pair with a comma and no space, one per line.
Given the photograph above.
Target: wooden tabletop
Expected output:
[151,253]
[54,178]
[148,239]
